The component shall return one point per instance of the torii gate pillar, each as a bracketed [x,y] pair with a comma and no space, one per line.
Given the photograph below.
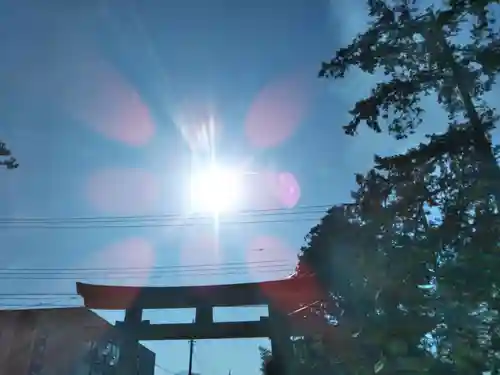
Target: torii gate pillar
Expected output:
[281,344]
[128,364]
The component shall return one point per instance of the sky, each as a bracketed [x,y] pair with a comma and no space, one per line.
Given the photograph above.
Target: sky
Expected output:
[108,107]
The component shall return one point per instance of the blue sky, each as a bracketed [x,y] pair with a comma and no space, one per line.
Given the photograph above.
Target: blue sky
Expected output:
[101,101]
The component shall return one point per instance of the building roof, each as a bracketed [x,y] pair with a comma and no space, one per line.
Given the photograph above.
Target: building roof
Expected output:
[70,315]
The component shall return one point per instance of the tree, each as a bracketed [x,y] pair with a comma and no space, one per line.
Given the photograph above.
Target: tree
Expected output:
[6,158]
[309,358]
[265,356]
[372,257]
[412,269]
[415,51]
[416,249]
[462,233]
[467,230]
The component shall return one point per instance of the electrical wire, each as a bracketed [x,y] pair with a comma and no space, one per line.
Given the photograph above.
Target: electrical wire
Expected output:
[251,212]
[143,276]
[166,371]
[155,272]
[129,268]
[149,272]
[166,220]
[230,268]
[284,272]
[159,225]
[72,297]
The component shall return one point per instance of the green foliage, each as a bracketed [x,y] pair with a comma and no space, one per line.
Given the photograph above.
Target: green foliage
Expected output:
[310,357]
[365,255]
[6,158]
[265,356]
[414,51]
[411,266]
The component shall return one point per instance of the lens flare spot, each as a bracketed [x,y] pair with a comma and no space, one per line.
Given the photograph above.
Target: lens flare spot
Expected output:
[123,191]
[129,261]
[287,189]
[279,260]
[200,256]
[269,258]
[104,101]
[271,190]
[277,111]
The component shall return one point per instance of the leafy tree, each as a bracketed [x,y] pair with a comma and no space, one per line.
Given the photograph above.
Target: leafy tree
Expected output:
[462,234]
[6,158]
[410,266]
[468,232]
[412,269]
[265,356]
[416,52]
[373,257]
[454,176]
[309,358]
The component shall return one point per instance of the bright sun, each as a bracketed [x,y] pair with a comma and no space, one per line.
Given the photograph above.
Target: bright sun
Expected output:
[215,190]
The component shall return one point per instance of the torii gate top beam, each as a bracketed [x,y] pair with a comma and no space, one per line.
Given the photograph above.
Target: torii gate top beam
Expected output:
[289,293]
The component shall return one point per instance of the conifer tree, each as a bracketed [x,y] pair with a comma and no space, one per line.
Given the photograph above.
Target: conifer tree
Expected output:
[417,53]
[411,266]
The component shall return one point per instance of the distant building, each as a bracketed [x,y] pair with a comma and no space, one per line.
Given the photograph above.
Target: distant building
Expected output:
[73,341]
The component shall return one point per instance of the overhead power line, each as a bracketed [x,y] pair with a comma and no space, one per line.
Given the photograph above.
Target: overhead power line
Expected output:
[164,369]
[155,225]
[298,214]
[143,276]
[132,273]
[128,268]
[40,294]
[255,212]
[19,300]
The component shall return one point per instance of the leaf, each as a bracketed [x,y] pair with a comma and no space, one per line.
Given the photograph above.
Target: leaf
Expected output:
[356,334]
[379,366]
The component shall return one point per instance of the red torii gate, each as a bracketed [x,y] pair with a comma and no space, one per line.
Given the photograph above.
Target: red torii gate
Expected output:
[282,297]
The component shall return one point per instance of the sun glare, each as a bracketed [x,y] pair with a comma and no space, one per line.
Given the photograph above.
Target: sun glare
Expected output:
[215,190]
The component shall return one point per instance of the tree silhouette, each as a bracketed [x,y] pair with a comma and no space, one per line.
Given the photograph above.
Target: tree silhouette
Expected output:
[6,158]
[416,52]
[265,357]
[370,257]
[309,358]
[411,265]
[412,270]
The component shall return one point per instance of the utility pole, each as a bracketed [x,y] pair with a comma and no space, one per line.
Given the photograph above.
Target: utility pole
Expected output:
[191,347]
